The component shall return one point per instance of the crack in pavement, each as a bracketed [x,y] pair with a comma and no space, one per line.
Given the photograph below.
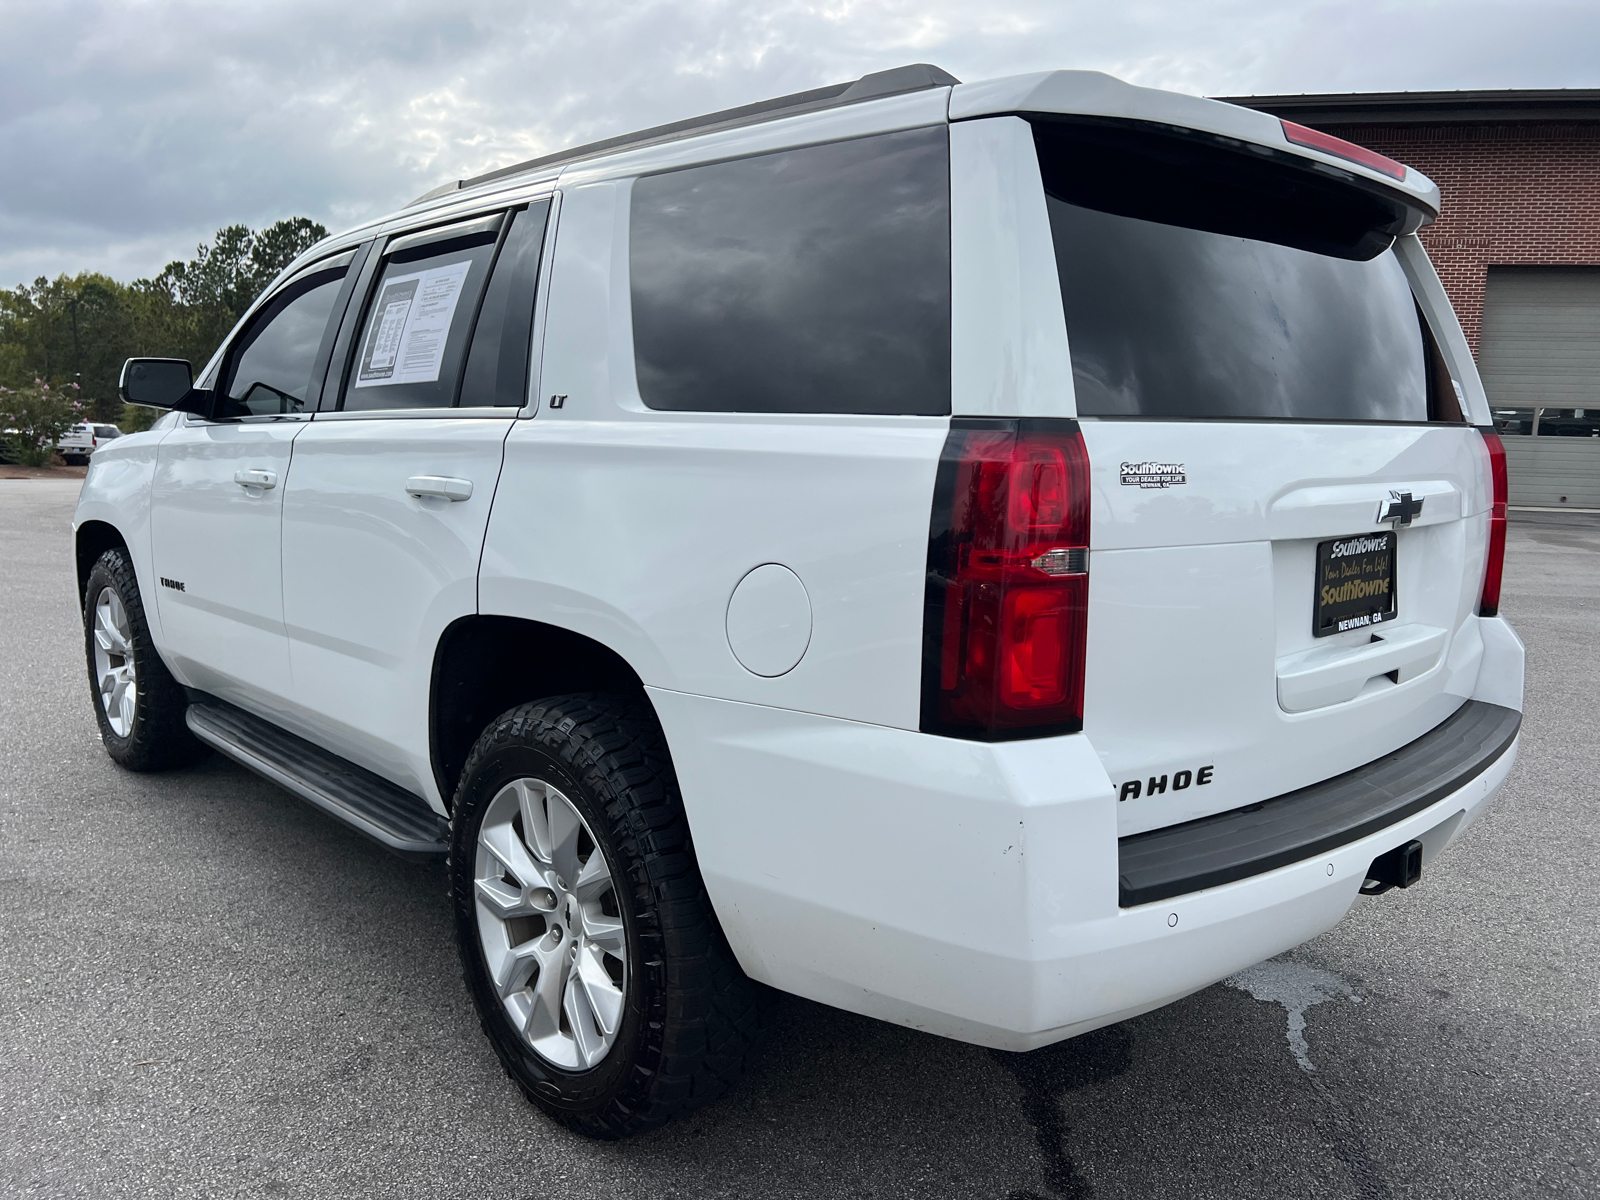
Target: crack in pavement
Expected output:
[1044,1075]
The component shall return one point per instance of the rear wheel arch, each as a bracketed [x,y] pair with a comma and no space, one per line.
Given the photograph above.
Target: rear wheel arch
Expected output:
[486,665]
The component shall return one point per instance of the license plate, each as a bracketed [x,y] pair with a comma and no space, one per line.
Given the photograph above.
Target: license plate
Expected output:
[1355,583]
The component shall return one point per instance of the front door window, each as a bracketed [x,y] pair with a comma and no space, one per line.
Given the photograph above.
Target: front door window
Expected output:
[271,367]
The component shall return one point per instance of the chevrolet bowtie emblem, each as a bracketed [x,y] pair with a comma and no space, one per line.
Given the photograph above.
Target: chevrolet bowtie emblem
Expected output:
[1401,509]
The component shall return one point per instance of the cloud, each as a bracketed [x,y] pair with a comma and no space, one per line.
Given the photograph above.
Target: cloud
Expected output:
[131,131]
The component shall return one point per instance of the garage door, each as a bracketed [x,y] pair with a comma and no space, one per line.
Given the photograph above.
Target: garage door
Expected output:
[1540,362]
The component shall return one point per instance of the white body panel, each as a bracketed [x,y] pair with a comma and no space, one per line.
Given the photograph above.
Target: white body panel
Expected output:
[636,534]
[1008,352]
[222,540]
[117,491]
[633,526]
[1201,604]
[372,576]
[840,857]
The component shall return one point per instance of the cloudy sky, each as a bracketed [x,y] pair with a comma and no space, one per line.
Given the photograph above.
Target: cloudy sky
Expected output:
[129,132]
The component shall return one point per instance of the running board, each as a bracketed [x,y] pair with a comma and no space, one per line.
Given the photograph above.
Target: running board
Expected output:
[391,816]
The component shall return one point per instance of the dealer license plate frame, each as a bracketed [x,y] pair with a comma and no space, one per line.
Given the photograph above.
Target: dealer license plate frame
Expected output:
[1352,560]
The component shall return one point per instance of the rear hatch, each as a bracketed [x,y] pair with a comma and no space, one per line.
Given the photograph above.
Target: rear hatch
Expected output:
[1288,504]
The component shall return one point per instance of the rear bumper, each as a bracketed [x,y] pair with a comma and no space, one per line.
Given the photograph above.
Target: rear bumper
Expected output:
[1219,849]
[972,890]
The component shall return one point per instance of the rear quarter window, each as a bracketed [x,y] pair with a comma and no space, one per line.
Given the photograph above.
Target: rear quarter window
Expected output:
[814,280]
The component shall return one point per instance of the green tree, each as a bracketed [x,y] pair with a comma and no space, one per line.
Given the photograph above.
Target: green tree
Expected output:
[79,329]
[33,419]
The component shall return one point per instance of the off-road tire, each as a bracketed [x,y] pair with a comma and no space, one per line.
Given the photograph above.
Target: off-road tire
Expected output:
[159,737]
[692,1021]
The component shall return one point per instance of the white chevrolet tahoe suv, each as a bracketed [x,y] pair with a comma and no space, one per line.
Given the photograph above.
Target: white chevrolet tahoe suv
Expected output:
[993,557]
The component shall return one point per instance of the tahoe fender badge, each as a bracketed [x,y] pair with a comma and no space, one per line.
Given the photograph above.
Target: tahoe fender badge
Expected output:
[1153,474]
[175,584]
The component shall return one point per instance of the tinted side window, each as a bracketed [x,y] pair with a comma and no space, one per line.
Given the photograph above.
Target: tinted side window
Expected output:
[417,325]
[270,366]
[813,280]
[497,365]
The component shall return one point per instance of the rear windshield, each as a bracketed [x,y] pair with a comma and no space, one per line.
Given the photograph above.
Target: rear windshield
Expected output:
[1200,283]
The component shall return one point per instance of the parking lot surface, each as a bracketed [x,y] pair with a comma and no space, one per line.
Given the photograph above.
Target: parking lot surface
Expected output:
[207,988]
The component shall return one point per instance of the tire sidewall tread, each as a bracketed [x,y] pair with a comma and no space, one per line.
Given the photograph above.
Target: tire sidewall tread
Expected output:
[160,737]
[691,1017]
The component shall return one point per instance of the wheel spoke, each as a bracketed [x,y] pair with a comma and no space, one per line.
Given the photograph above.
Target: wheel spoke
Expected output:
[603,996]
[502,842]
[544,1017]
[128,705]
[515,969]
[535,825]
[594,877]
[581,1020]
[604,931]
[565,825]
[503,900]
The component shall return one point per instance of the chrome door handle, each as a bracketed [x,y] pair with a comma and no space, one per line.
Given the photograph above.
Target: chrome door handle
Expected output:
[441,486]
[256,478]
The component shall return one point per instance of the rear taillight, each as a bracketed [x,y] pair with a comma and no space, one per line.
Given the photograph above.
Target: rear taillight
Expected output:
[1315,139]
[1489,606]
[1008,581]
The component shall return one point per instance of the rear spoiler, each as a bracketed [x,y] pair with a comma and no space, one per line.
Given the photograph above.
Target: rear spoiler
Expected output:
[1093,94]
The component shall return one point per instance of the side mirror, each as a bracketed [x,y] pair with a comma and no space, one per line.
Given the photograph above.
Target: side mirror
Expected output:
[159,383]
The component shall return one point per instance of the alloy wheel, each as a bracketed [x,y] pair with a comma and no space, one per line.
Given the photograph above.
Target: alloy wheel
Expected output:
[116,678]
[550,924]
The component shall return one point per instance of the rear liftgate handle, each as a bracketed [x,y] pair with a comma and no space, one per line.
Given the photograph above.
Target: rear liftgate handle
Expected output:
[441,486]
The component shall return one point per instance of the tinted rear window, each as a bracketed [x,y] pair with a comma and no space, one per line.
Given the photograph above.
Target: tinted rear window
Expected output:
[812,280]
[1174,311]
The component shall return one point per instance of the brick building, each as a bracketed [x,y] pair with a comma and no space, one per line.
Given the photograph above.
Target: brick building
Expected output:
[1518,248]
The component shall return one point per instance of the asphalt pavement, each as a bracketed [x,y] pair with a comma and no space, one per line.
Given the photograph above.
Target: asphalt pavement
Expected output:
[209,989]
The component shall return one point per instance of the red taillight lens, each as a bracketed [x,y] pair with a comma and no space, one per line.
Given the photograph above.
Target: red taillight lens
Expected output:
[1315,139]
[1499,489]
[1008,583]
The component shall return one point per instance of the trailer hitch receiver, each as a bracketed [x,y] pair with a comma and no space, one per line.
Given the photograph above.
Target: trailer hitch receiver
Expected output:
[1400,867]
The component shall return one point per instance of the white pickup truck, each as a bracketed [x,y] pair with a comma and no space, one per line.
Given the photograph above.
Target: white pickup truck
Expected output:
[83,439]
[995,557]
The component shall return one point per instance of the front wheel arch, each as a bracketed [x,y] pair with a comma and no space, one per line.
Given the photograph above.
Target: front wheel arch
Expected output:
[93,539]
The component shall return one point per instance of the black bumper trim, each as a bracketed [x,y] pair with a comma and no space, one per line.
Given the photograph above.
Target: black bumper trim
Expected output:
[1301,824]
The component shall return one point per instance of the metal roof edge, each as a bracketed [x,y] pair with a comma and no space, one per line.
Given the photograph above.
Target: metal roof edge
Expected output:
[873,86]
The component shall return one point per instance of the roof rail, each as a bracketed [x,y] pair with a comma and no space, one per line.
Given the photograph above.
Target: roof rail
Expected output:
[913,78]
